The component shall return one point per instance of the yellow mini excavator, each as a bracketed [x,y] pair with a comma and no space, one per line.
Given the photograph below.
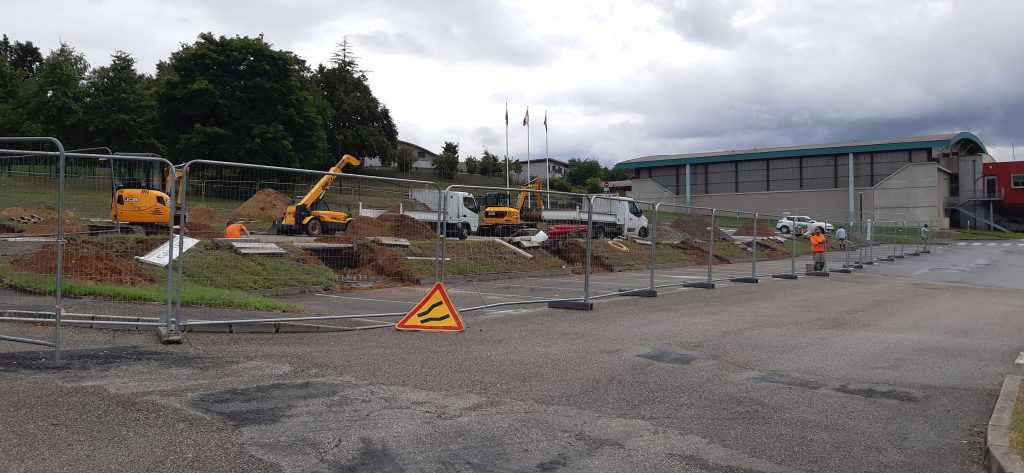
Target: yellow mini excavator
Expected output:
[309,214]
[505,221]
[135,208]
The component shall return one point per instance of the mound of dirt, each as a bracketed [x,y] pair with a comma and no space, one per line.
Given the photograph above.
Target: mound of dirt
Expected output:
[48,212]
[86,263]
[205,215]
[50,228]
[696,228]
[697,254]
[266,203]
[202,231]
[4,228]
[747,229]
[389,225]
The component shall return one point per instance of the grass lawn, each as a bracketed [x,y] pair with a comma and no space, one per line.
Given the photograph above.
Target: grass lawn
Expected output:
[1016,427]
[475,257]
[223,269]
[985,235]
[192,295]
[608,256]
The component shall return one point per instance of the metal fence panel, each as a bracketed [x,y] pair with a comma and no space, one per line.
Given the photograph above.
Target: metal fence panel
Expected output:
[532,247]
[305,243]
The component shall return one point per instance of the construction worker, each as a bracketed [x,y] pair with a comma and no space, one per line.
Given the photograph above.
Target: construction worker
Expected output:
[818,249]
[925,233]
[237,230]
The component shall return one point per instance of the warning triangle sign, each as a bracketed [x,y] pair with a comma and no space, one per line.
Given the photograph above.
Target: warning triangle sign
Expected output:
[434,312]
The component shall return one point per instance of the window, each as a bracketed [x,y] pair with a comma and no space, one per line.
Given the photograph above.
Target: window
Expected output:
[421,155]
[1017,181]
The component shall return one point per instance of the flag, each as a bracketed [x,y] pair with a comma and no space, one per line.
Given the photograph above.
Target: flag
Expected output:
[526,119]
[506,113]
[545,120]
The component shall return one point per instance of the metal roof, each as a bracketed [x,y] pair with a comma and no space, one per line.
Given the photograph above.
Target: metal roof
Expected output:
[915,142]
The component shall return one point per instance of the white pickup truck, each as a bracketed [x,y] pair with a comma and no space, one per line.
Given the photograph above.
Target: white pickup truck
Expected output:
[461,220]
[615,216]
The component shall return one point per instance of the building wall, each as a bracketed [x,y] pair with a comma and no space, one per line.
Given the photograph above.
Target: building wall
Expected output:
[827,171]
[832,204]
[911,194]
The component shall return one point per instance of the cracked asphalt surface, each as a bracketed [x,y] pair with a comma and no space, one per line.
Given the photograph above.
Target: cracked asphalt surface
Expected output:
[857,372]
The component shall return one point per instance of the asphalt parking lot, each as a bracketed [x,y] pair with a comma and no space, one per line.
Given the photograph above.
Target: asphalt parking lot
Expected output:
[859,372]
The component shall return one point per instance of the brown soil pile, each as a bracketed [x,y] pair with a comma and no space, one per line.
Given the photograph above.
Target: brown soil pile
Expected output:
[48,212]
[747,229]
[5,228]
[769,251]
[202,231]
[87,264]
[266,203]
[389,225]
[50,228]
[698,254]
[696,227]
[205,215]
[408,204]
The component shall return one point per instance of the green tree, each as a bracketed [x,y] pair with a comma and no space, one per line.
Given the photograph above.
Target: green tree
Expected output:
[614,174]
[593,185]
[20,56]
[15,119]
[56,98]
[514,167]
[472,165]
[560,184]
[489,165]
[447,163]
[404,158]
[120,107]
[237,99]
[355,121]
[582,169]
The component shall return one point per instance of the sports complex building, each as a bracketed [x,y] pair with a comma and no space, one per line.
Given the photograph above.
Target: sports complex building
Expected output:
[936,178]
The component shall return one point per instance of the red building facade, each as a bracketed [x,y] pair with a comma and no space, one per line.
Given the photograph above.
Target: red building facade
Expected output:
[1005,180]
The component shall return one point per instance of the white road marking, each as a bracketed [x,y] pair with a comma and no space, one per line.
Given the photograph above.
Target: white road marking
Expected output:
[1020,244]
[1007,244]
[975,244]
[991,244]
[1020,358]
[961,244]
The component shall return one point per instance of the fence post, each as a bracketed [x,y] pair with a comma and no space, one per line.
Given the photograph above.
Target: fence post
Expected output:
[442,233]
[585,304]
[168,333]
[654,243]
[753,261]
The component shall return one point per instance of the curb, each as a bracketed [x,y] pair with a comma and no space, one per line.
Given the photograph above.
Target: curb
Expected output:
[998,456]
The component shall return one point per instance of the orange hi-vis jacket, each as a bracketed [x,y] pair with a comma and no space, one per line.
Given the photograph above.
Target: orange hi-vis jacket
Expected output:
[234,230]
[817,243]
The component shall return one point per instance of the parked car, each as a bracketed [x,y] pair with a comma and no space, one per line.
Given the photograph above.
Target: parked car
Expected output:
[804,223]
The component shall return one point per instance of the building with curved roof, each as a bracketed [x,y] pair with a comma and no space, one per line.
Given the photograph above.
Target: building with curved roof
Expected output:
[922,178]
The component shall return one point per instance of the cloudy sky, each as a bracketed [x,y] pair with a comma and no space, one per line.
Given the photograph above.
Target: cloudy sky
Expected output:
[619,79]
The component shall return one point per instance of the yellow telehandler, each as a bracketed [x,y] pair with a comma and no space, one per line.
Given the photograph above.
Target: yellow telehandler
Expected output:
[309,214]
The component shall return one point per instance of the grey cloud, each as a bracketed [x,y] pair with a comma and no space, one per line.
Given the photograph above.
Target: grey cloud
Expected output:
[462,30]
[779,90]
[702,21]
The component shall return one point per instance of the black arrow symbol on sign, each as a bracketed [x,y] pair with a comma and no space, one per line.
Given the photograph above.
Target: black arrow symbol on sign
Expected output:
[429,309]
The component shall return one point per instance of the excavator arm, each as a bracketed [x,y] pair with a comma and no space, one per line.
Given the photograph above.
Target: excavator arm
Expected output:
[535,186]
[324,185]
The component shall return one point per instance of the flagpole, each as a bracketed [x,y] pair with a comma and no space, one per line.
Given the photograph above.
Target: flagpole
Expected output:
[547,164]
[506,146]
[529,175]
